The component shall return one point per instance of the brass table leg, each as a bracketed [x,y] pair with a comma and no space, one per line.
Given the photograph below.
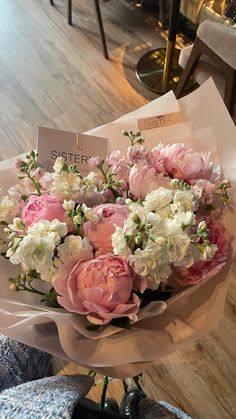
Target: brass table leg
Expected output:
[158,69]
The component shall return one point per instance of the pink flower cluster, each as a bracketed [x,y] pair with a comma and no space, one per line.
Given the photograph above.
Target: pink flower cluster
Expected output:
[165,163]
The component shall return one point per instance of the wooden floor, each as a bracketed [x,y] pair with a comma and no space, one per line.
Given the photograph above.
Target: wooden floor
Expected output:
[54,75]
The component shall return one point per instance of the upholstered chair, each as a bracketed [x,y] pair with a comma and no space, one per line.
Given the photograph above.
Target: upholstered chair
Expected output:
[213,54]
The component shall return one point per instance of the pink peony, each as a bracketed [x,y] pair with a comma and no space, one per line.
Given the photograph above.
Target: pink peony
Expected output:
[145,179]
[185,164]
[203,270]
[44,207]
[110,216]
[100,288]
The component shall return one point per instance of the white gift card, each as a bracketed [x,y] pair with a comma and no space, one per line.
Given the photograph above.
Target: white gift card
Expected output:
[75,148]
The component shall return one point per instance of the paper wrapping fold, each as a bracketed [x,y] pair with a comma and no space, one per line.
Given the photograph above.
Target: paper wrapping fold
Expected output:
[189,315]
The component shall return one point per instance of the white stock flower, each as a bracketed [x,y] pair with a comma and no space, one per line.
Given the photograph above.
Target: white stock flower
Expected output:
[91,179]
[119,244]
[177,247]
[55,229]
[77,219]
[58,165]
[35,253]
[17,224]
[158,199]
[72,247]
[209,252]
[90,214]
[147,261]
[192,255]
[153,218]
[69,205]
[185,219]
[8,209]
[184,201]
[66,185]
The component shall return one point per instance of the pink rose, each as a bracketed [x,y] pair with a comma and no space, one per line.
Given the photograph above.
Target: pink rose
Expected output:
[100,288]
[44,207]
[203,270]
[145,179]
[110,216]
[185,164]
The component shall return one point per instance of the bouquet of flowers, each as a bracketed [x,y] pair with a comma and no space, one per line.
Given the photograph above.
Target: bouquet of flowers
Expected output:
[137,229]
[118,268]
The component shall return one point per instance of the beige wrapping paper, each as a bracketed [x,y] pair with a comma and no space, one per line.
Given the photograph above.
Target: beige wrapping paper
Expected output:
[192,313]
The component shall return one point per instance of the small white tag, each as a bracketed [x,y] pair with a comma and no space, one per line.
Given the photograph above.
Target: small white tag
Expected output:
[161,120]
[75,148]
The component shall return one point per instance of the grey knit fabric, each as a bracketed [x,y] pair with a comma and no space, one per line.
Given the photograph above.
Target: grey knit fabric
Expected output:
[52,397]
[179,413]
[20,363]
[48,398]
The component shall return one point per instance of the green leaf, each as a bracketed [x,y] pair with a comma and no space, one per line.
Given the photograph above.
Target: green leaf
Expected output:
[121,322]
[93,327]
[51,298]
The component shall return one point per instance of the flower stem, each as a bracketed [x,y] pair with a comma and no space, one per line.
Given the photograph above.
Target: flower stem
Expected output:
[136,380]
[125,385]
[104,390]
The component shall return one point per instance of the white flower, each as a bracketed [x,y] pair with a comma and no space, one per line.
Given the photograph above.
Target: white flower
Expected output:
[185,219]
[119,244]
[91,180]
[35,253]
[17,224]
[72,247]
[147,261]
[153,218]
[177,247]
[77,219]
[55,229]
[8,209]
[184,201]
[158,199]
[66,185]
[58,165]
[69,205]
[90,214]
[192,255]
[209,252]
[202,227]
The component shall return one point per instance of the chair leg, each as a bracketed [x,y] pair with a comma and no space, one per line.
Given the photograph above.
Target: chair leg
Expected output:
[69,12]
[230,89]
[190,67]
[101,29]
[52,3]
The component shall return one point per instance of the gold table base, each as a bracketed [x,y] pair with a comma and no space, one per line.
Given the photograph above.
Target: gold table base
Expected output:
[150,70]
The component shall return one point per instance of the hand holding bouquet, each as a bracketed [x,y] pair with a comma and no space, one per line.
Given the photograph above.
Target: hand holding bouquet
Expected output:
[132,231]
